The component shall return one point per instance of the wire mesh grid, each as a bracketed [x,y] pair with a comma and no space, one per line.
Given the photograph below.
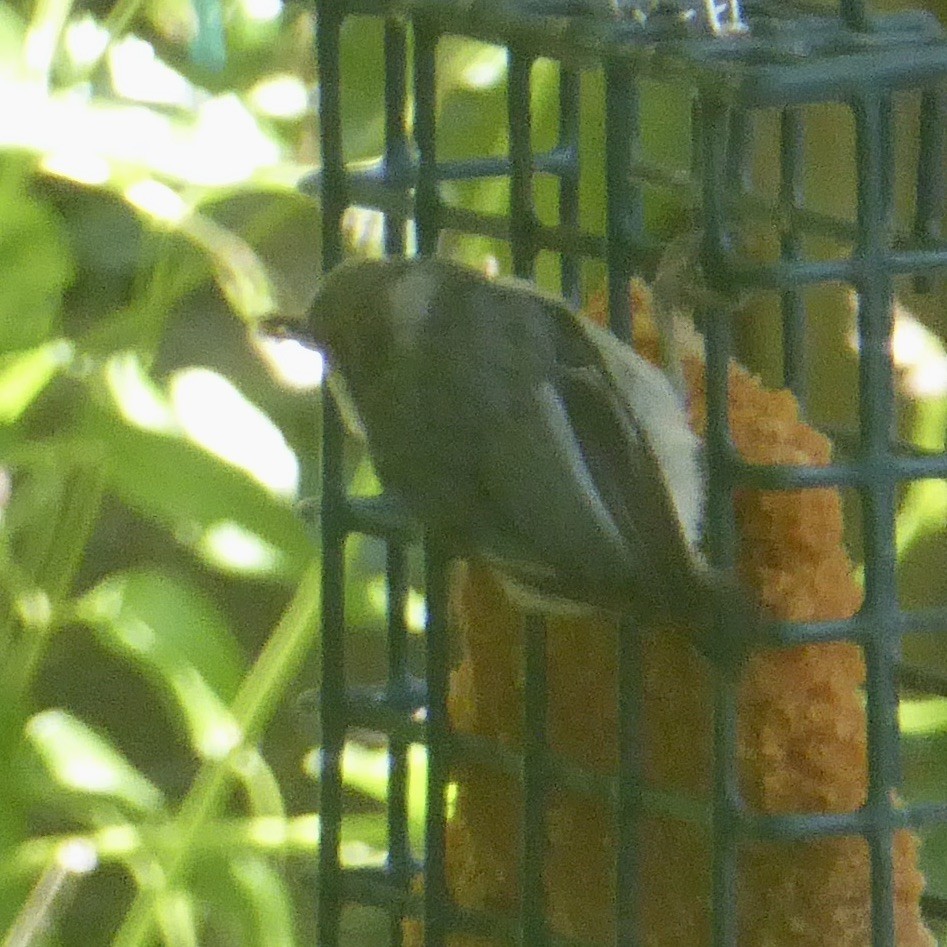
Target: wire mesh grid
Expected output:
[788,62]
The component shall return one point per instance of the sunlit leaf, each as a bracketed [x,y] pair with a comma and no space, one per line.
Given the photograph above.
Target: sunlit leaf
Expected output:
[292,363]
[365,769]
[214,413]
[266,896]
[181,624]
[78,758]
[52,890]
[12,36]
[231,548]
[43,36]
[283,96]
[173,19]
[923,717]
[284,229]
[24,376]
[192,493]
[137,398]
[139,75]
[36,265]
[364,839]
[216,143]
[126,611]
[240,273]
[177,918]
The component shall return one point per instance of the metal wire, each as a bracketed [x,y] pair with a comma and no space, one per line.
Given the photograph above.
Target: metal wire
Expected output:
[793,58]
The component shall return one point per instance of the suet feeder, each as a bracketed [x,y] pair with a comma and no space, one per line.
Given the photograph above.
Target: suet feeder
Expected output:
[589,784]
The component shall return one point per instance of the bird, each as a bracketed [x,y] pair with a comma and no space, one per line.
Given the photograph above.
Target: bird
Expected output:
[515,430]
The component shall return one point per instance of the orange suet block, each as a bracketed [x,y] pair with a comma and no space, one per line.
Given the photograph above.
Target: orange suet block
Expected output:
[801,735]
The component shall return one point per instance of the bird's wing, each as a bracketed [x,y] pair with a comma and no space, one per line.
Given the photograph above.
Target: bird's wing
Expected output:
[634,483]
[547,504]
[567,473]
[641,460]
[487,371]
[647,400]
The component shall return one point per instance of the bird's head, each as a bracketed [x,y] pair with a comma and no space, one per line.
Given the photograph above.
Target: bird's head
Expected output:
[351,318]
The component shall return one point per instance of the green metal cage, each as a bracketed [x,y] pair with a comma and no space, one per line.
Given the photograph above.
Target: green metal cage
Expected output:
[749,92]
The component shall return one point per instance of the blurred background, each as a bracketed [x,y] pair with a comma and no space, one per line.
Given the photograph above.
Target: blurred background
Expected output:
[160,457]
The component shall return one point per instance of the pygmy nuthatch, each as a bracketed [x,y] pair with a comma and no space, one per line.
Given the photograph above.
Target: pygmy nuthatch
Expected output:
[517,431]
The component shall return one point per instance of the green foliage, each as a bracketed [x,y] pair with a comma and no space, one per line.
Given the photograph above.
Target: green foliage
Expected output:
[158,589]
[37,268]
[158,585]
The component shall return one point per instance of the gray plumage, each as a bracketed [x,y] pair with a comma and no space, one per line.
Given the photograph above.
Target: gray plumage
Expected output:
[517,431]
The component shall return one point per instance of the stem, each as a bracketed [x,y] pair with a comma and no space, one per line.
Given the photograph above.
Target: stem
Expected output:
[252,709]
[58,555]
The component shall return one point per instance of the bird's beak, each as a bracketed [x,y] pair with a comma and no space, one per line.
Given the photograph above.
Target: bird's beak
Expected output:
[284,326]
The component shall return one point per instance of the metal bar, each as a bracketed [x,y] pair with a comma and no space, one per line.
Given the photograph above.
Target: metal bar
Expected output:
[925,621]
[801,828]
[791,167]
[931,160]
[437,901]
[739,179]
[570,91]
[397,154]
[925,815]
[874,159]
[533,927]
[854,14]
[852,473]
[427,203]
[712,124]
[522,213]
[332,690]
[372,886]
[857,630]
[397,160]
[368,190]
[623,218]
[923,680]
[381,517]
[621,108]
[375,713]
[400,862]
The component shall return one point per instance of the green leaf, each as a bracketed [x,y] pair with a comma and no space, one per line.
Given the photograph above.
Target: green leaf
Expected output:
[183,624]
[364,839]
[24,376]
[365,769]
[12,35]
[123,613]
[266,899]
[36,264]
[362,89]
[177,919]
[240,273]
[230,520]
[79,759]
[925,775]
